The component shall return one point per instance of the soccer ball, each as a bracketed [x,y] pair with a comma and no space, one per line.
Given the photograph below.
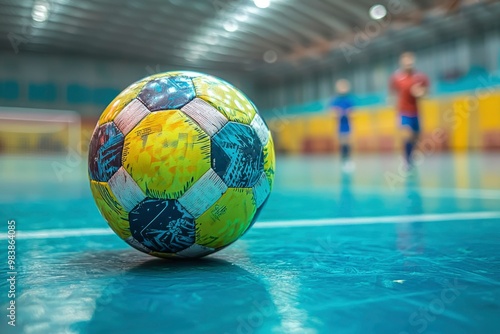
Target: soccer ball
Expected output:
[181,164]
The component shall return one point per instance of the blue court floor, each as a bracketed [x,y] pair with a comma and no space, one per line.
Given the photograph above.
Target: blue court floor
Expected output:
[375,251]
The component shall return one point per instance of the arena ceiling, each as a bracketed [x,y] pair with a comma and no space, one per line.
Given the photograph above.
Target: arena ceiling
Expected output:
[219,34]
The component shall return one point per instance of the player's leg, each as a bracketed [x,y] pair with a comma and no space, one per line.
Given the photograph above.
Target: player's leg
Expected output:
[410,130]
[345,147]
[344,138]
[407,137]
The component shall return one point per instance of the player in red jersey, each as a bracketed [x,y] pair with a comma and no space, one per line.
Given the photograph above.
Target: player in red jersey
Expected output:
[409,86]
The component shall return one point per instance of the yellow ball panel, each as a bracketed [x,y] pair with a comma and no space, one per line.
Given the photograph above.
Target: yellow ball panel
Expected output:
[227,219]
[124,98]
[269,160]
[111,210]
[166,153]
[225,98]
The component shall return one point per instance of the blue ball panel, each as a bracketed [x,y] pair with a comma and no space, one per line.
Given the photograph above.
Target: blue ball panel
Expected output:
[162,225]
[105,152]
[167,93]
[237,155]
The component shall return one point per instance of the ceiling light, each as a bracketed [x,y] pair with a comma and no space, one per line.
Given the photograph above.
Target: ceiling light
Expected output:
[40,11]
[262,3]
[378,12]
[231,25]
[270,56]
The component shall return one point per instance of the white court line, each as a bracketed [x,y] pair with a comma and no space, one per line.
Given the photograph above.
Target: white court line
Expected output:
[438,217]
[59,233]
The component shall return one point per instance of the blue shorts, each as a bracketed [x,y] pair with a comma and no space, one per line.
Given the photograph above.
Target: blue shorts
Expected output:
[411,122]
[344,126]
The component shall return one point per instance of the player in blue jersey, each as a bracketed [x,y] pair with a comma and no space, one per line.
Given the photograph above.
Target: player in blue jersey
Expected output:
[342,105]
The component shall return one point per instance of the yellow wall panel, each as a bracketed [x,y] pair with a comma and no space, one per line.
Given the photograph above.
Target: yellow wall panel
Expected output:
[321,125]
[430,112]
[463,118]
[489,111]
[458,123]
[386,121]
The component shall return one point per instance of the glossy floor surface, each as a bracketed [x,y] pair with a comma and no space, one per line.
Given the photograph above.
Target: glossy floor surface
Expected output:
[378,250]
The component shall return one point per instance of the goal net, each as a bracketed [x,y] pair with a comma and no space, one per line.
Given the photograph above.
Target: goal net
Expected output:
[39,131]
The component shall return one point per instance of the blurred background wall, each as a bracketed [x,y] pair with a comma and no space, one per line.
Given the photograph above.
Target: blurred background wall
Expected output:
[85,85]
[458,50]
[464,101]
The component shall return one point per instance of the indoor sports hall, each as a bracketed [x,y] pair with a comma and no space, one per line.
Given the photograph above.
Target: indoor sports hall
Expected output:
[373,205]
